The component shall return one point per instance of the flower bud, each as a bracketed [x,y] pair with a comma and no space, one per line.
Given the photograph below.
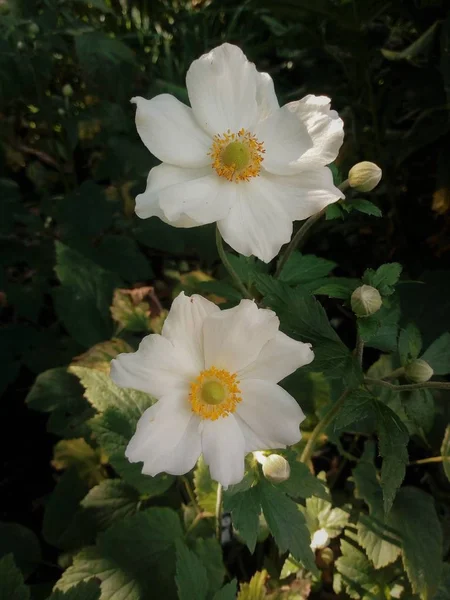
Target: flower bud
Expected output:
[418,371]
[366,301]
[276,468]
[67,90]
[33,29]
[364,176]
[320,539]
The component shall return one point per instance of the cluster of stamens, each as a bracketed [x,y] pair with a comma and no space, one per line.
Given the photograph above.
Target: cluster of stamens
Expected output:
[214,394]
[237,156]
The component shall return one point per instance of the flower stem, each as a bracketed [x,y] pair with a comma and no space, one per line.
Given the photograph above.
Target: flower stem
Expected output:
[191,494]
[432,459]
[219,512]
[395,374]
[359,350]
[434,385]
[226,263]
[321,426]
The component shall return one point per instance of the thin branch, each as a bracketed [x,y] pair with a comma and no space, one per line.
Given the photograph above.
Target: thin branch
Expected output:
[409,387]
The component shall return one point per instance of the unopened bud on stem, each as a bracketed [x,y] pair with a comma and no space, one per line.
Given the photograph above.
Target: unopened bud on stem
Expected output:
[418,371]
[364,176]
[276,468]
[67,90]
[366,301]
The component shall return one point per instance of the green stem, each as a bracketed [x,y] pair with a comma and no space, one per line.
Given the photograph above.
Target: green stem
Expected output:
[424,461]
[395,374]
[433,385]
[301,233]
[219,512]
[321,426]
[359,350]
[191,494]
[226,263]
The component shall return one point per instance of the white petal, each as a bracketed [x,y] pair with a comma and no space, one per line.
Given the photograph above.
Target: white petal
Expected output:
[325,128]
[270,412]
[303,194]
[167,437]
[257,223]
[285,140]
[192,196]
[280,357]
[233,338]
[265,95]
[223,447]
[184,326]
[222,90]
[155,368]
[169,130]
[253,441]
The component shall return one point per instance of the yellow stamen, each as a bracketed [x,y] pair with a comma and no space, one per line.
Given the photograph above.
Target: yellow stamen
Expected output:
[214,394]
[237,156]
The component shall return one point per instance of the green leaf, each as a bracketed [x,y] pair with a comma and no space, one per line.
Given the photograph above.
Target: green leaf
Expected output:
[445,452]
[385,337]
[83,300]
[247,268]
[120,254]
[384,278]
[85,211]
[191,577]
[228,592]
[356,414]
[245,508]
[409,344]
[255,589]
[334,211]
[393,440]
[80,456]
[302,268]
[287,524]
[368,327]
[302,483]
[366,207]
[133,559]
[438,355]
[23,544]
[205,488]
[209,552]
[12,586]
[338,287]
[58,392]
[443,592]
[419,408]
[414,515]
[320,514]
[64,526]
[108,502]
[83,591]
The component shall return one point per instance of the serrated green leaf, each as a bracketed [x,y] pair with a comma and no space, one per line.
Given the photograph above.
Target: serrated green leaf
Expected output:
[82,301]
[385,337]
[191,577]
[356,413]
[337,287]
[23,544]
[209,552]
[438,355]
[127,553]
[228,592]
[245,508]
[365,206]
[419,408]
[83,591]
[255,589]
[247,268]
[320,514]
[334,211]
[445,452]
[287,524]
[302,268]
[414,515]
[368,327]
[108,502]
[205,488]
[409,344]
[384,278]
[12,586]
[302,483]
[80,456]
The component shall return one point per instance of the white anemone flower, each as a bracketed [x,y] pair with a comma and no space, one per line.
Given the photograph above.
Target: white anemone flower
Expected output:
[215,376]
[236,157]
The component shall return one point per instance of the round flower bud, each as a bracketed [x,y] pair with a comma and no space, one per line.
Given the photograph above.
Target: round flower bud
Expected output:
[320,539]
[327,556]
[366,301]
[276,468]
[364,176]
[418,371]
[33,29]
[67,90]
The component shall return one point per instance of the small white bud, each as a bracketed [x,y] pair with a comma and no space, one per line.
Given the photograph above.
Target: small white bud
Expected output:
[418,371]
[276,468]
[364,176]
[67,90]
[366,301]
[320,539]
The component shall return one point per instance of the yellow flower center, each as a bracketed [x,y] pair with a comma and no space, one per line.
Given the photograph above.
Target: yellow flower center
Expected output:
[214,394]
[237,156]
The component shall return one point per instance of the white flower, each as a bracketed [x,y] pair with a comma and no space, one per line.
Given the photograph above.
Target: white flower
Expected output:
[215,376]
[236,157]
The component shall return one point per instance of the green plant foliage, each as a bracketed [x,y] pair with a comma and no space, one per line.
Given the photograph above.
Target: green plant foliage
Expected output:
[12,586]
[23,544]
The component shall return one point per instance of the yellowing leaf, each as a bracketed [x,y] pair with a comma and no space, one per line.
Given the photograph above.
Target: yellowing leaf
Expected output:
[255,589]
[99,356]
[80,455]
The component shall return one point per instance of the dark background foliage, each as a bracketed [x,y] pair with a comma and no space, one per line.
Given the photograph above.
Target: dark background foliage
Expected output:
[71,164]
